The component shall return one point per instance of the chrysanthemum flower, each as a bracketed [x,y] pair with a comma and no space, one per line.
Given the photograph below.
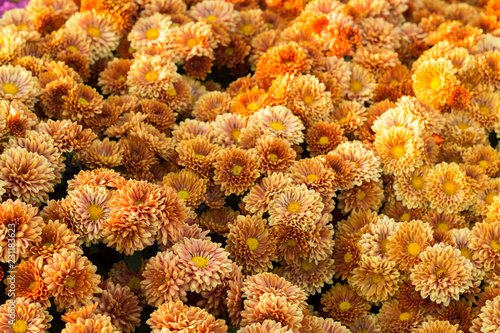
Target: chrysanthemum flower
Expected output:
[339,33]
[158,114]
[205,263]
[443,274]
[236,170]
[121,305]
[250,244]
[98,29]
[84,312]
[318,324]
[191,129]
[260,195]
[211,105]
[197,155]
[406,243]
[218,220]
[216,12]
[488,64]
[228,128]
[341,303]
[365,165]
[52,100]
[315,175]
[81,102]
[177,316]
[29,316]
[113,80]
[401,213]
[188,185]
[410,188]
[361,84]
[346,254]
[149,76]
[101,154]
[234,53]
[431,118]
[29,284]
[71,279]
[67,135]
[289,58]
[267,326]
[18,85]
[458,313]
[247,102]
[368,195]
[374,241]
[100,177]
[97,323]
[447,188]
[324,137]
[485,242]
[274,154]
[55,237]
[77,61]
[343,169]
[151,30]
[367,323]
[394,317]
[310,276]
[280,122]
[349,115]
[179,97]
[156,141]
[485,109]
[194,39]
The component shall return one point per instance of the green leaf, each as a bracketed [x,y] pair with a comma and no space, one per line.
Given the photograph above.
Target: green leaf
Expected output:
[134,261]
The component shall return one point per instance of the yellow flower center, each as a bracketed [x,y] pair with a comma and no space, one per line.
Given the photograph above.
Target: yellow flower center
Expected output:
[199,156]
[463,126]
[485,109]
[360,195]
[134,283]
[291,243]
[383,245]
[414,249]
[404,316]
[19,326]
[183,194]
[348,257]
[211,18]
[152,33]
[235,133]
[393,82]
[229,51]
[450,187]
[120,78]
[277,126]
[172,92]
[345,306]
[287,5]
[252,107]
[405,217]
[483,163]
[323,140]
[94,31]
[73,49]
[10,88]
[32,285]
[441,273]
[83,101]
[308,99]
[417,182]
[294,207]
[150,76]
[443,226]
[237,170]
[272,157]
[201,262]
[48,244]
[495,245]
[376,279]
[247,29]
[489,197]
[96,212]
[356,163]
[312,177]
[466,252]
[356,86]
[397,151]
[22,26]
[131,50]
[252,243]
[307,265]
[435,83]
[70,282]
[192,42]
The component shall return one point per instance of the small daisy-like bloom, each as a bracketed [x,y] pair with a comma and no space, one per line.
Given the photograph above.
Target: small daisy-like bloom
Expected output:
[399,150]
[458,312]
[29,283]
[250,244]
[91,205]
[121,305]
[194,39]
[313,173]
[189,186]
[267,326]
[28,316]
[368,195]
[96,323]
[485,109]
[82,102]
[158,114]
[488,64]
[437,326]
[228,128]
[410,187]
[443,221]
[365,165]
[204,263]
[148,76]
[406,243]
[485,242]
[342,168]
[447,188]
[55,237]
[236,170]
[218,220]
[261,195]
[296,206]
[346,254]
[375,279]
[197,155]
[179,317]
[376,59]
[150,31]
[443,274]
[274,154]
[487,319]
[394,317]
[341,303]
[101,154]
[288,58]
[248,102]
[486,157]
[433,81]
[310,276]
[178,97]
[272,306]
[361,84]
[164,281]
[279,121]
[113,80]
[18,84]
[379,32]
[211,105]
[71,279]
[400,213]
[349,115]
[324,137]
[216,12]
[233,54]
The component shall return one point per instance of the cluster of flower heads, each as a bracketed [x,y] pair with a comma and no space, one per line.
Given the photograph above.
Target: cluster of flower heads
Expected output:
[355,141]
